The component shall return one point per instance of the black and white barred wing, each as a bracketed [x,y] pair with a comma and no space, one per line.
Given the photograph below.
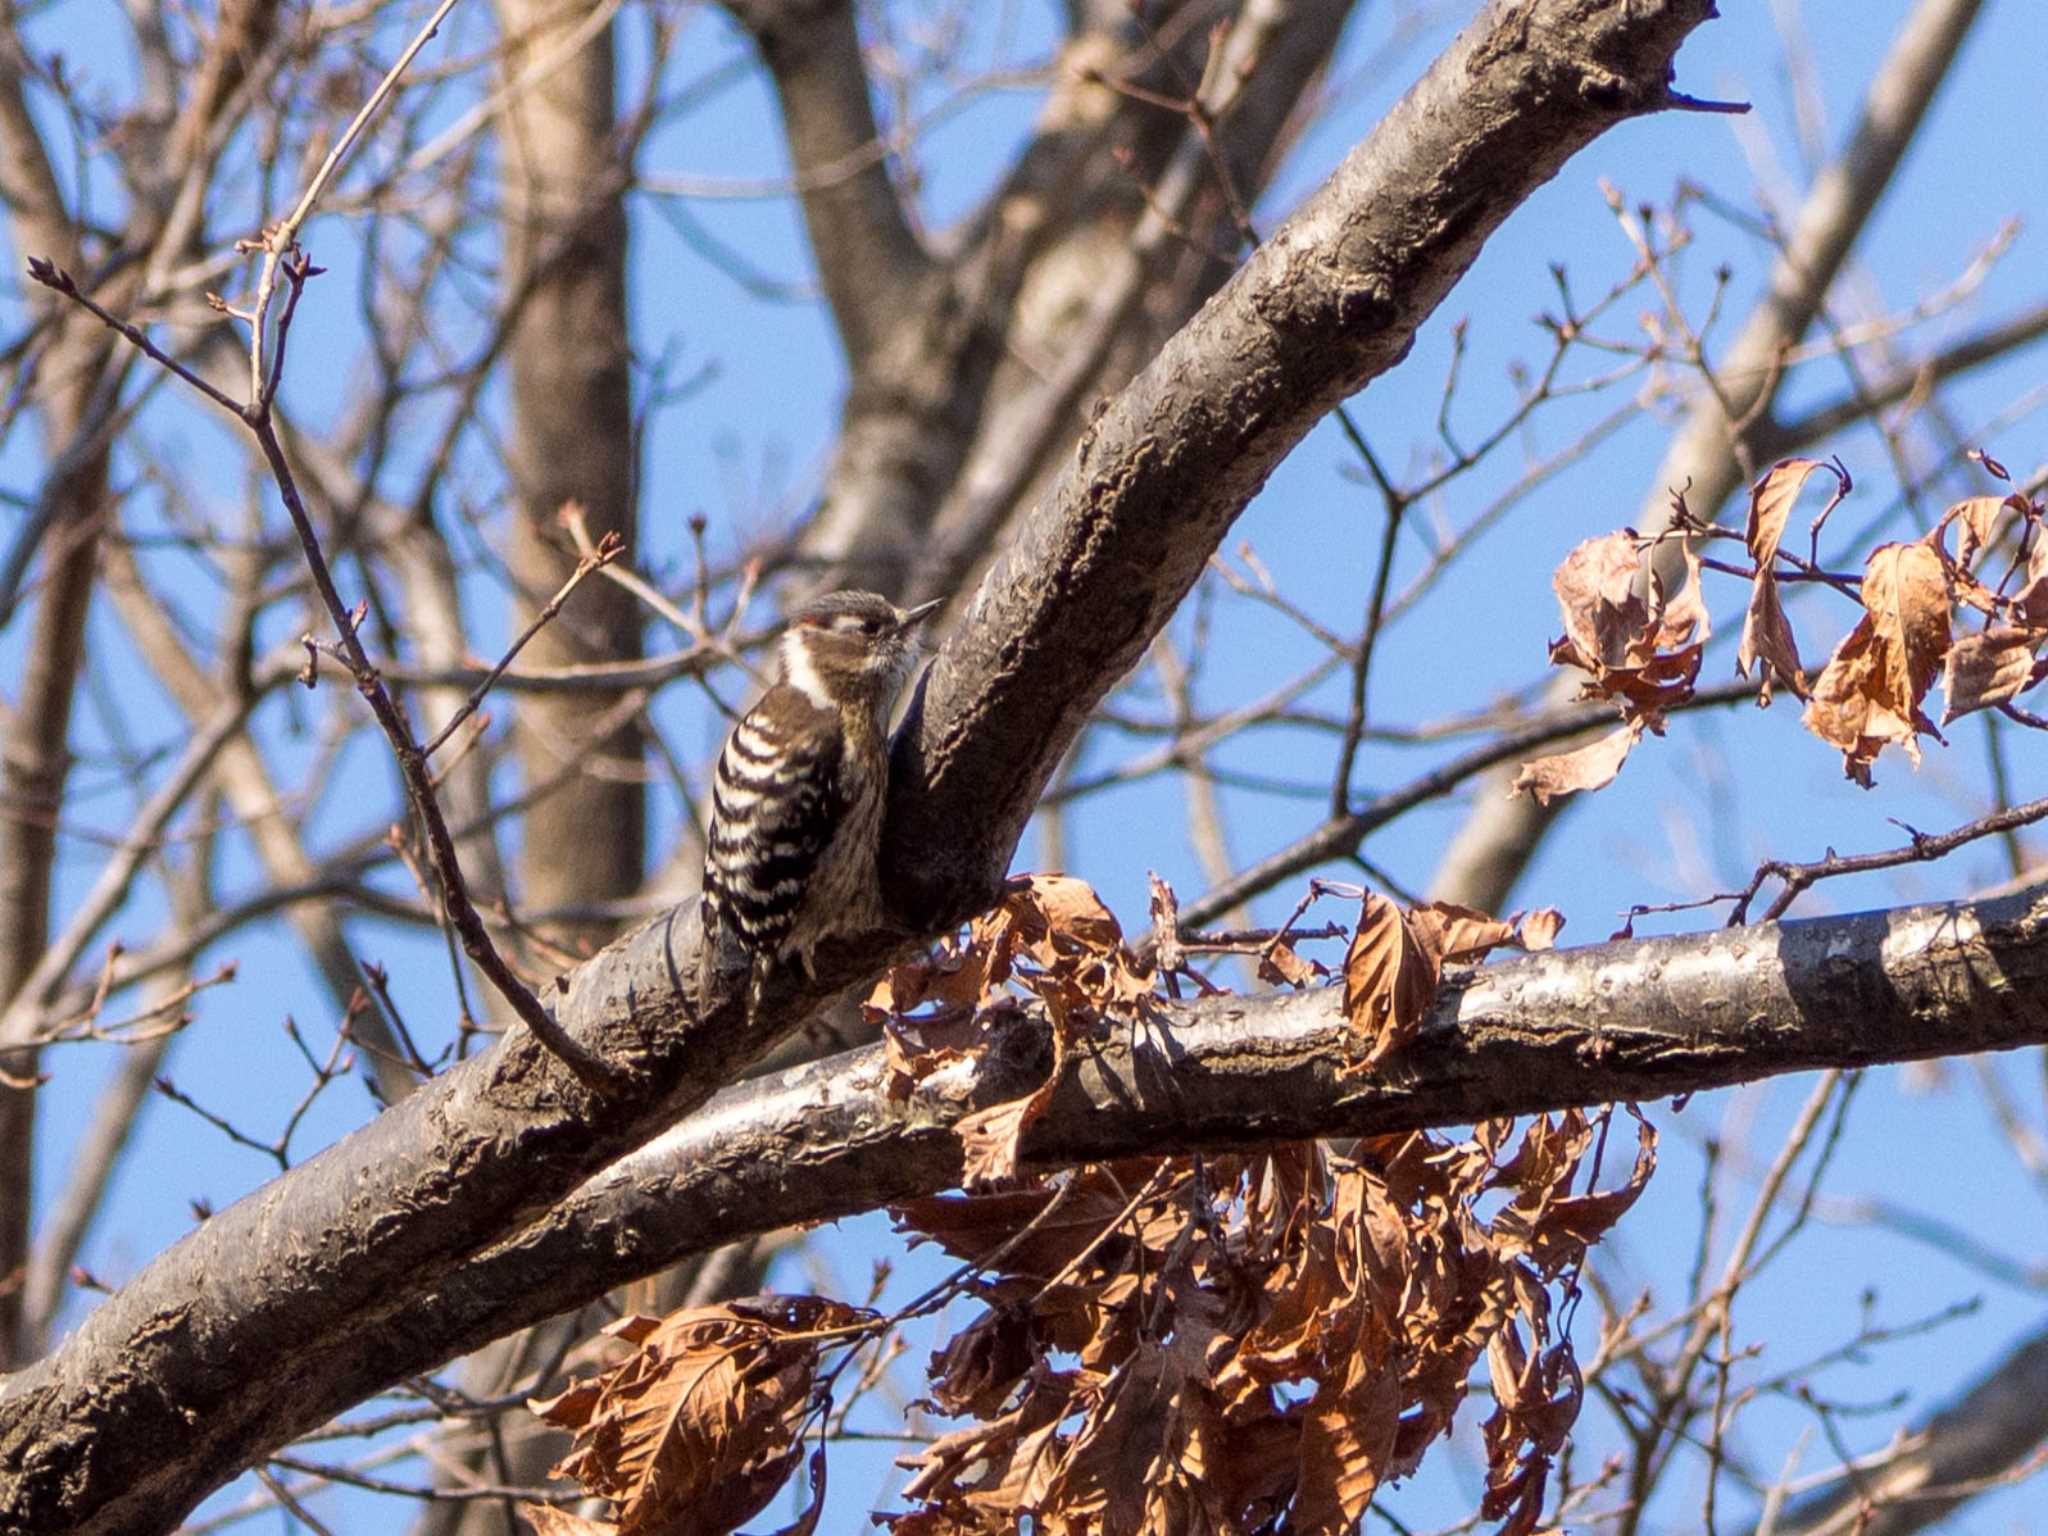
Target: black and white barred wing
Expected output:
[775,801]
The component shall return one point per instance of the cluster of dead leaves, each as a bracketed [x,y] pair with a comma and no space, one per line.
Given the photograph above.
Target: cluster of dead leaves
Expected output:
[697,1428]
[1050,937]
[1644,652]
[1164,1345]
[1207,1346]
[1638,645]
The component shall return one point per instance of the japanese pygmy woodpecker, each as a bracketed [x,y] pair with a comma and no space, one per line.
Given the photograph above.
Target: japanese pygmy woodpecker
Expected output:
[797,796]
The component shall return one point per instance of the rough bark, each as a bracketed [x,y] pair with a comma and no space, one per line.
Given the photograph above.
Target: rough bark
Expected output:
[173,1384]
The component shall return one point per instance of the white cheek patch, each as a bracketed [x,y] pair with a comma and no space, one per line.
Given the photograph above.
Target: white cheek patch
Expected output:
[798,672]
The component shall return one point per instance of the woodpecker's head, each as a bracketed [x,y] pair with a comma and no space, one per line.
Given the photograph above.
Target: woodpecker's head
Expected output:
[851,648]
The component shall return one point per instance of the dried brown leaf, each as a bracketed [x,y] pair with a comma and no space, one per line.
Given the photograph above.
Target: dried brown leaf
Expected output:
[2030,603]
[1545,1222]
[1280,964]
[1589,767]
[1976,519]
[1638,648]
[807,1522]
[1539,929]
[1061,906]
[1869,694]
[1347,1443]
[1770,505]
[998,1468]
[1140,1449]
[1682,620]
[975,1371]
[990,1138]
[1453,934]
[1166,925]
[972,1227]
[1537,1397]
[547,1520]
[1389,982]
[915,1049]
[1597,594]
[697,1428]
[1989,668]
[1061,925]
[1767,641]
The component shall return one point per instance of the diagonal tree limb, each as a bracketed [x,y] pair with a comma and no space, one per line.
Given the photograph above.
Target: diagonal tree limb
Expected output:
[971,401]
[1772,439]
[170,1387]
[1981,1441]
[1329,302]
[1682,1014]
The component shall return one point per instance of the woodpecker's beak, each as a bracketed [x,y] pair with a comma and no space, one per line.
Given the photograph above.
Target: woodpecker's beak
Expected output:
[915,616]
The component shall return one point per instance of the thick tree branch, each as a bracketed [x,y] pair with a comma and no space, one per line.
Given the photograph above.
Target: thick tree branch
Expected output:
[973,396]
[1329,302]
[1679,1015]
[172,1384]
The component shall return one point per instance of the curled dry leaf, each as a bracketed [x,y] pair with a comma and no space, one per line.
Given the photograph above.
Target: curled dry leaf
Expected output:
[1963,586]
[1767,640]
[2030,603]
[1989,668]
[1589,767]
[1075,962]
[1772,498]
[1281,964]
[1869,694]
[1976,519]
[991,1139]
[1638,648]
[1599,593]
[697,1428]
[1454,934]
[1539,929]
[1060,925]
[1389,982]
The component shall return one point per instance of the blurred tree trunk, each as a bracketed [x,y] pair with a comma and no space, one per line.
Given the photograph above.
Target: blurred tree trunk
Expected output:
[564,229]
[80,378]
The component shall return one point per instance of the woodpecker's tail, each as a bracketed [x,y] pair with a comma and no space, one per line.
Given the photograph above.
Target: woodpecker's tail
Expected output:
[757,981]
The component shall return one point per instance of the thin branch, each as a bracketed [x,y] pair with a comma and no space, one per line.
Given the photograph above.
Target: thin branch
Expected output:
[608,549]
